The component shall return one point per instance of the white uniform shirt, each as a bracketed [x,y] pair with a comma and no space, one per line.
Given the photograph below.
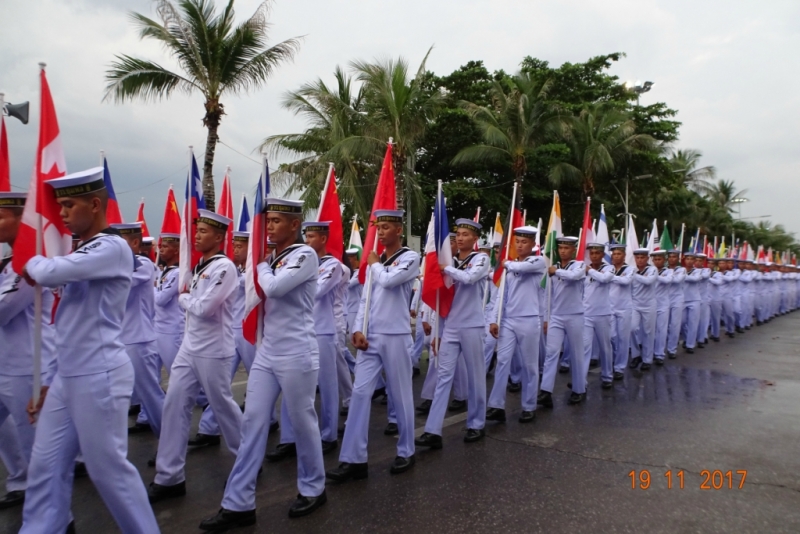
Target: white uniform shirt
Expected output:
[169,317]
[392,279]
[521,298]
[209,309]
[691,286]
[620,291]
[329,275]
[354,288]
[468,276]
[339,305]
[676,287]
[596,290]
[643,290]
[238,304]
[663,289]
[567,297]
[137,325]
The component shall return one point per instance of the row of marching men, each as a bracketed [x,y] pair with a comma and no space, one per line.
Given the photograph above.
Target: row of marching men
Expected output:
[112,333]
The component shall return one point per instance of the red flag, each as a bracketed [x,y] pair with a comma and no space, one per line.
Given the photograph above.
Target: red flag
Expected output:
[113,215]
[437,289]
[515,220]
[225,209]
[330,210]
[385,199]
[194,202]
[41,207]
[585,229]
[256,249]
[5,169]
[171,223]
[140,218]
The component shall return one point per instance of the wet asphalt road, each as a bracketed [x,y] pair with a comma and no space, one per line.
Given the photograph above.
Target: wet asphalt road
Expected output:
[733,406]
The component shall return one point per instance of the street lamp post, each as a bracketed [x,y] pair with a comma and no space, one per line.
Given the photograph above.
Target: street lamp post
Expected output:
[739,201]
[639,88]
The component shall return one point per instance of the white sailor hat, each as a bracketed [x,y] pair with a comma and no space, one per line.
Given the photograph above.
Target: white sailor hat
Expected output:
[485,245]
[316,226]
[353,251]
[700,255]
[526,231]
[673,251]
[241,236]
[452,235]
[567,240]
[12,200]
[469,224]
[641,251]
[283,205]
[79,183]
[128,228]
[596,245]
[689,254]
[170,238]
[395,216]
[148,240]
[213,219]
[659,253]
[617,246]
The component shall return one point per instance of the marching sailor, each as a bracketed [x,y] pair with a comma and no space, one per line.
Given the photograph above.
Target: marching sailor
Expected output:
[597,314]
[675,302]
[643,325]
[663,299]
[621,300]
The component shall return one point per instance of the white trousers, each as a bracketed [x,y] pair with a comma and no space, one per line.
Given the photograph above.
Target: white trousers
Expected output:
[621,339]
[343,369]
[13,459]
[662,328]
[675,325]
[597,335]
[563,328]
[460,380]
[147,372]
[519,336]
[643,330]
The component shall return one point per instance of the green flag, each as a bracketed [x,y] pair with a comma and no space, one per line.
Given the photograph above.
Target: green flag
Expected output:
[666,242]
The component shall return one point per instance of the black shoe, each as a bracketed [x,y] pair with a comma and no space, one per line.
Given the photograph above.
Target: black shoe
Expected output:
[594,364]
[527,416]
[740,330]
[701,345]
[474,435]
[635,362]
[659,361]
[228,519]
[689,350]
[563,369]
[328,446]
[496,414]
[671,355]
[759,323]
[425,407]
[70,528]
[203,440]
[747,327]
[715,339]
[344,411]
[138,428]
[684,345]
[80,470]
[645,367]
[281,452]
[157,492]
[346,471]
[151,462]
[134,410]
[391,430]
[456,405]
[619,375]
[730,334]
[11,499]
[514,387]
[380,392]
[577,398]
[241,406]
[414,372]
[401,465]
[273,427]
[607,385]
[545,399]
[429,440]
[305,505]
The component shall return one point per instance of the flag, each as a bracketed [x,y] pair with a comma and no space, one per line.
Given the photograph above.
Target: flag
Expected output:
[709,251]
[477,219]
[697,246]
[256,249]
[631,242]
[244,216]
[113,215]
[553,228]
[41,210]
[194,201]
[355,238]
[762,256]
[225,208]
[497,234]
[722,249]
[331,210]
[171,223]
[602,232]
[666,242]
[140,218]
[652,242]
[538,248]
[385,199]
[515,220]
[437,252]
[586,228]
[680,241]
[5,168]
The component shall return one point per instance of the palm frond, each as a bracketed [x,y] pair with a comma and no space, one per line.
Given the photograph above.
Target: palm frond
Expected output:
[131,78]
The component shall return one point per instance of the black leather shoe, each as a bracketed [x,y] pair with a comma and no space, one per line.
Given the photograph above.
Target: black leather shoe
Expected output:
[414,372]
[577,398]
[701,345]
[594,364]
[157,492]
[273,427]
[429,440]
[305,505]
[228,519]
[134,410]
[346,471]
[659,361]
[425,407]
[281,452]
[689,350]
[11,499]
[562,369]
[730,334]
[747,327]
[635,362]
[151,462]
[545,399]
[514,387]
[138,428]
[344,411]
[671,355]
[203,440]
[70,528]
[80,470]
[391,430]
[645,367]
[456,405]
[474,435]
[401,465]
[527,416]
[328,446]
[496,414]
[619,375]
[607,385]
[740,330]
[715,339]
[759,323]
[380,392]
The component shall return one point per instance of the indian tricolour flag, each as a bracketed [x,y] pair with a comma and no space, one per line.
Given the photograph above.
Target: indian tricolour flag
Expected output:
[553,229]
[355,238]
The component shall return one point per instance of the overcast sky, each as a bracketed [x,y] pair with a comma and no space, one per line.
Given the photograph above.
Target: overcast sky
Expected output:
[730,67]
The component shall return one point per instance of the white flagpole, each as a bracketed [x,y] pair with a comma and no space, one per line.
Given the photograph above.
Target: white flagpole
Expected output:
[509,232]
[552,246]
[368,298]
[325,188]
[435,345]
[37,322]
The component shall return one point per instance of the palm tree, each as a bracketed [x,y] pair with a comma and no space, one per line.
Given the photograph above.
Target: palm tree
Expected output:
[516,122]
[684,163]
[600,138]
[216,58]
[724,193]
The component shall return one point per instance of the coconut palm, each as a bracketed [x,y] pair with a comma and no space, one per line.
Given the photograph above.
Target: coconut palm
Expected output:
[216,58]
[684,164]
[600,139]
[724,193]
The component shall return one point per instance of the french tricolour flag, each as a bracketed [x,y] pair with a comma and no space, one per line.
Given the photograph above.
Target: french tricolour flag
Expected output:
[256,249]
[437,252]
[194,201]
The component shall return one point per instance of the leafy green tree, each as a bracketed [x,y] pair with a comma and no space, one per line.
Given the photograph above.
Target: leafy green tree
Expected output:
[685,164]
[216,58]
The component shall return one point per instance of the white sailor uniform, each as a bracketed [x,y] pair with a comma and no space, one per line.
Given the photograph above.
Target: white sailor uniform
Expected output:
[622,305]
[597,319]
[663,291]
[643,325]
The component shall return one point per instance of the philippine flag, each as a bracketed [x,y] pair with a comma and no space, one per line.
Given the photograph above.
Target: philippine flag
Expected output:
[194,201]
[437,252]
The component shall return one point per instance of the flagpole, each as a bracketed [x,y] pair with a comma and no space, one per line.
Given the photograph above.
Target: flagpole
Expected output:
[325,188]
[509,231]
[436,334]
[547,279]
[368,298]
[37,322]
[680,245]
